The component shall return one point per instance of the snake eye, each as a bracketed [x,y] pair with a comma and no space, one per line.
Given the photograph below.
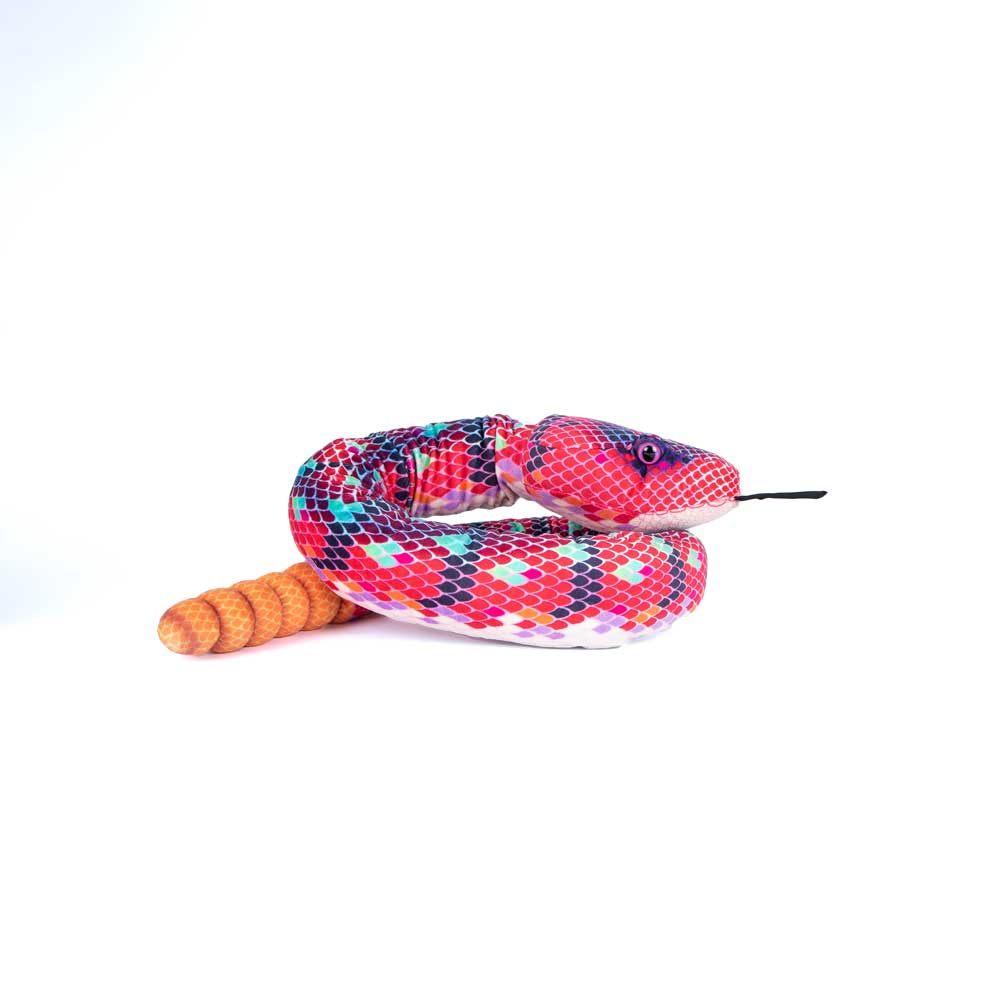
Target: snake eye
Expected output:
[648,452]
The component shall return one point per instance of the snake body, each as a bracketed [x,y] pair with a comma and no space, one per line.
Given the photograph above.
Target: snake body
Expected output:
[612,563]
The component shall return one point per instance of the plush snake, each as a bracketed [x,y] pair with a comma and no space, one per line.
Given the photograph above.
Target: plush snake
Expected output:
[614,562]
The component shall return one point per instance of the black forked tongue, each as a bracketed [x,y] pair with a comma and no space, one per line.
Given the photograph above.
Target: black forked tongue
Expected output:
[802,495]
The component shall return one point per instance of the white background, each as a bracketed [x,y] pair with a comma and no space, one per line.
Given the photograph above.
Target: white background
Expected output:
[230,232]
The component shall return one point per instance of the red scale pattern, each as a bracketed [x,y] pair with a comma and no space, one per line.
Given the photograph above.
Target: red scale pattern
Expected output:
[543,580]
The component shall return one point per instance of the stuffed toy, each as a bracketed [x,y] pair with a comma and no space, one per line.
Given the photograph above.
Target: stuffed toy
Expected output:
[613,562]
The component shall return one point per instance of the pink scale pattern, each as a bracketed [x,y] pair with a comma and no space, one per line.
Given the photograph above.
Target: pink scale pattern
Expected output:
[614,561]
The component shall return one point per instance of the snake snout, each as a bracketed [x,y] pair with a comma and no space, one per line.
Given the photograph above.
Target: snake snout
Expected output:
[705,489]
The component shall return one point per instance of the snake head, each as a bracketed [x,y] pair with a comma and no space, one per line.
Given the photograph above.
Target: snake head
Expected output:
[611,478]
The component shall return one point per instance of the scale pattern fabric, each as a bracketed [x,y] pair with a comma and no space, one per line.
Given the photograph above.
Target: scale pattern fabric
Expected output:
[613,563]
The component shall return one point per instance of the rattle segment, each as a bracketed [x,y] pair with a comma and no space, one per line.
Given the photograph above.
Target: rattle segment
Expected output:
[252,612]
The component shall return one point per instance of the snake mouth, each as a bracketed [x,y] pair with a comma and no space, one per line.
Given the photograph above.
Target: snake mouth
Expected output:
[690,517]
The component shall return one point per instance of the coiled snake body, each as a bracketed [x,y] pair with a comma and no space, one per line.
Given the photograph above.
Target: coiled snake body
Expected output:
[613,562]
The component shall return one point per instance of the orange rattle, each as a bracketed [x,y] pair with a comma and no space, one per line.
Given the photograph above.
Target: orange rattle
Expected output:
[253,612]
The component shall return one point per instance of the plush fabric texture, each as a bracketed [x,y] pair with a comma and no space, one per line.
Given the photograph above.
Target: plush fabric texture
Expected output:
[252,612]
[612,564]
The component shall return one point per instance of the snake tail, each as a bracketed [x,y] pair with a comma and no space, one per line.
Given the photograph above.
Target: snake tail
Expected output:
[252,612]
